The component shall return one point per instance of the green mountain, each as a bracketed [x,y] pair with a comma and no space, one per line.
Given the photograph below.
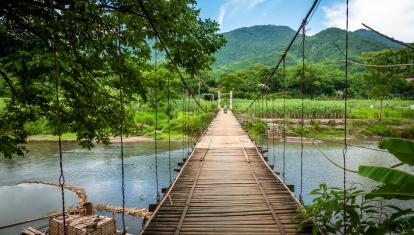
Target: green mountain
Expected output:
[376,37]
[264,43]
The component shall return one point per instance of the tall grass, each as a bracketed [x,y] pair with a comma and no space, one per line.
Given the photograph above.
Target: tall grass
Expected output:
[190,105]
[327,109]
[185,120]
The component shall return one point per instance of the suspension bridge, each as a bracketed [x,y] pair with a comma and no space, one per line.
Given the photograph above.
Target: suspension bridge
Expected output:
[225,187]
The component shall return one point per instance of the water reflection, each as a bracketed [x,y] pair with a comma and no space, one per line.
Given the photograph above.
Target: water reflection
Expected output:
[97,170]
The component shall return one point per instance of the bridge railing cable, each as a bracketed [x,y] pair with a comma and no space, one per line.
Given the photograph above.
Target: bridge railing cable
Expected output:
[388,37]
[284,54]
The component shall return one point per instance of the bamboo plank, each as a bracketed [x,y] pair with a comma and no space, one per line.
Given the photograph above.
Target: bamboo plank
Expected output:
[225,187]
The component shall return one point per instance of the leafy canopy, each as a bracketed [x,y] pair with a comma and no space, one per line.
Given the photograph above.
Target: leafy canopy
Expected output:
[100,47]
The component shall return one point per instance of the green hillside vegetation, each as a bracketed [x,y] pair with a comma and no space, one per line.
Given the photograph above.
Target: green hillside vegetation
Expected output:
[263,44]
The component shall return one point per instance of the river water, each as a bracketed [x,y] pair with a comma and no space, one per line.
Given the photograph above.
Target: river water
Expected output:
[98,171]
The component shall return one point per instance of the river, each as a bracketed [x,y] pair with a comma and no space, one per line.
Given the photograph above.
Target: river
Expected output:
[98,171]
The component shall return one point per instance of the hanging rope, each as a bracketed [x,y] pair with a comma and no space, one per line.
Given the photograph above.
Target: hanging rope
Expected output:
[255,118]
[261,116]
[158,197]
[345,149]
[58,117]
[169,125]
[267,139]
[273,133]
[188,124]
[302,112]
[284,120]
[122,115]
[183,124]
[385,36]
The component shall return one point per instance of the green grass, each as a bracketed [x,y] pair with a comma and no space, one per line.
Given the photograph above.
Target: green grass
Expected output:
[65,137]
[328,109]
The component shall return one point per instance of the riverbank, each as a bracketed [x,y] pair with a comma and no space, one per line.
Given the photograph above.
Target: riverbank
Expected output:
[71,137]
[332,129]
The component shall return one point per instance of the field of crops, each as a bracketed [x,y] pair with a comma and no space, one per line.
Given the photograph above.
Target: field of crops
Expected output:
[329,109]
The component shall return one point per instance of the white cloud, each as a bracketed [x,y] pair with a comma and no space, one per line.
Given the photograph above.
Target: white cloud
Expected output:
[222,13]
[232,7]
[394,18]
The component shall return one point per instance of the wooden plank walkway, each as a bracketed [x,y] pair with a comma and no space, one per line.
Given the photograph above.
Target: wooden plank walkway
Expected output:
[225,187]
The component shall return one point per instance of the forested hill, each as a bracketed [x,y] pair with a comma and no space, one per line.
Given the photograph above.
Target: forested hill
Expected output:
[264,43]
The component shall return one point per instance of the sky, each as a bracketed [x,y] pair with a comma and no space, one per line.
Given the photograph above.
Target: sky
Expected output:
[392,17]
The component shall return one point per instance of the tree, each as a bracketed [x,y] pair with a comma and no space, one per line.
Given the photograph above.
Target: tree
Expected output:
[316,82]
[382,79]
[230,82]
[92,49]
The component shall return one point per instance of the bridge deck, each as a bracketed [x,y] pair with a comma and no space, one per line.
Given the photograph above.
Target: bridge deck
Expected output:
[225,187]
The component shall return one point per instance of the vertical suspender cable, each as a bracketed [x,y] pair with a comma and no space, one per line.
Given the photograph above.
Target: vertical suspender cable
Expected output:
[158,197]
[255,118]
[58,117]
[121,100]
[261,116]
[169,125]
[273,133]
[186,123]
[345,149]
[302,113]
[267,140]
[284,120]
[183,124]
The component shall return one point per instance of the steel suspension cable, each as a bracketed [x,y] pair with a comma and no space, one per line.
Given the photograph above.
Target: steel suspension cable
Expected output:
[345,149]
[58,117]
[302,112]
[158,197]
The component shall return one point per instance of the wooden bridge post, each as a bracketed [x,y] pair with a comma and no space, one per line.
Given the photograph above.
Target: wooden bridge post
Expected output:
[218,99]
[231,100]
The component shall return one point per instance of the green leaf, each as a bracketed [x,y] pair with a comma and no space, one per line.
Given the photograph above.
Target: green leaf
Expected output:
[390,191]
[332,205]
[400,148]
[386,175]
